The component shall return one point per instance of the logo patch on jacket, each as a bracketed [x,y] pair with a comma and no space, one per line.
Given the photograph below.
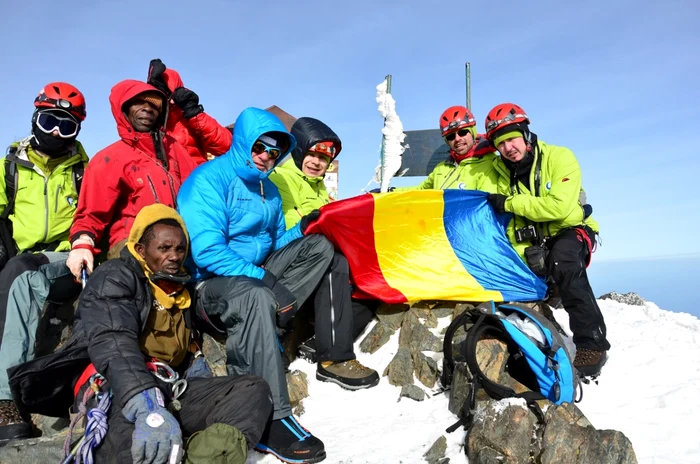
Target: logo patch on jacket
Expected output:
[548,186]
[462,186]
[565,179]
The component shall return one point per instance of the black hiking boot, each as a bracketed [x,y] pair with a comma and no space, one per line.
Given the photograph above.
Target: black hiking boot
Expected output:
[12,425]
[307,350]
[290,442]
[588,363]
[351,374]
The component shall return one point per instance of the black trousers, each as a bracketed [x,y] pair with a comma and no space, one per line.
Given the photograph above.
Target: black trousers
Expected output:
[566,263]
[242,402]
[333,312]
[61,290]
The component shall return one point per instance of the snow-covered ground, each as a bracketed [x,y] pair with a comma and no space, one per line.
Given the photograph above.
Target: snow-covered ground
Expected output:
[649,390]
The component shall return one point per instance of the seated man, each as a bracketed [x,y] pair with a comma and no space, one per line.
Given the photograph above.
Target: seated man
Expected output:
[142,168]
[470,165]
[187,122]
[552,229]
[253,274]
[39,187]
[133,310]
[300,182]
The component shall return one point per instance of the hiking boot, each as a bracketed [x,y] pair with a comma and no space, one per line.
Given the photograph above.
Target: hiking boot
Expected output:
[589,362]
[12,425]
[290,442]
[348,374]
[307,350]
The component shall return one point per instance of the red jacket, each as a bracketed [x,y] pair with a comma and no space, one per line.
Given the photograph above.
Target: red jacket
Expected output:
[201,134]
[126,176]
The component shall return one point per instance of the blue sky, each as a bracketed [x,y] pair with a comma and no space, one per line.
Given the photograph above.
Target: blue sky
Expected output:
[614,81]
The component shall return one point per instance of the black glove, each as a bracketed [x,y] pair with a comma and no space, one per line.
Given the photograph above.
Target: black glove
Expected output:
[155,76]
[188,102]
[379,190]
[285,299]
[498,202]
[309,219]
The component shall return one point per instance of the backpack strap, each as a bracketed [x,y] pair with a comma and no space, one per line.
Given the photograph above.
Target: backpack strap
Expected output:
[78,172]
[11,180]
[448,363]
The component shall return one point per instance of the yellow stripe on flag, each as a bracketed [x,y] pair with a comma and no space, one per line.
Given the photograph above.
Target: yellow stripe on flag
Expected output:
[414,253]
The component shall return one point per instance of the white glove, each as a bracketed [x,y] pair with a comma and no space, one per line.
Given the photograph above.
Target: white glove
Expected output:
[77,257]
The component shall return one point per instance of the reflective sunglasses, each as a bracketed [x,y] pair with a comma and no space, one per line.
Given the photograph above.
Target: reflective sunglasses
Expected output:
[67,127]
[272,152]
[461,132]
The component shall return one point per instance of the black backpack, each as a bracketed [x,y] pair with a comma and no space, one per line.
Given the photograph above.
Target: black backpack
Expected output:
[537,357]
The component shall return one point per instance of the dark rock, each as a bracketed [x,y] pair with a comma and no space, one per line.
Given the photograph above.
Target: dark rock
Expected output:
[569,437]
[412,391]
[33,450]
[215,354]
[444,309]
[501,433]
[297,386]
[392,315]
[460,388]
[400,369]
[377,337]
[49,426]
[425,368]
[626,298]
[460,308]
[436,452]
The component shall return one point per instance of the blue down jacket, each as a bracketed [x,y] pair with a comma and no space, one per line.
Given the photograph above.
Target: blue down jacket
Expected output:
[232,211]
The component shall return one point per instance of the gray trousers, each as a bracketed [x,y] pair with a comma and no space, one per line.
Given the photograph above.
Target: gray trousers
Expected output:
[246,310]
[27,294]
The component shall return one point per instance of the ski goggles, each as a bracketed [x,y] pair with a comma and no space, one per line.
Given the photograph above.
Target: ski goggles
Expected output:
[461,133]
[324,148]
[272,152]
[48,122]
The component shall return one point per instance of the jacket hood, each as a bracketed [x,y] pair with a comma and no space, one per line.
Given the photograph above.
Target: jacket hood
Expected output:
[249,126]
[147,216]
[122,93]
[308,132]
[172,79]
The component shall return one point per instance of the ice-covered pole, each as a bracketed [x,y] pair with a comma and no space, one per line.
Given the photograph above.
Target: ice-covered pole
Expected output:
[392,136]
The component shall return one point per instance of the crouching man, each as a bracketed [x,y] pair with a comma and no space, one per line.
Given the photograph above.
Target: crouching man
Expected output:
[133,311]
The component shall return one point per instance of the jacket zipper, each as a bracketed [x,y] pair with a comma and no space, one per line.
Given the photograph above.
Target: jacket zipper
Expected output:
[58,192]
[153,188]
[449,177]
[46,209]
[167,173]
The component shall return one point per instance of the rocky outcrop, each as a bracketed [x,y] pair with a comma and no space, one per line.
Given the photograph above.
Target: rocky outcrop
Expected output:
[625,298]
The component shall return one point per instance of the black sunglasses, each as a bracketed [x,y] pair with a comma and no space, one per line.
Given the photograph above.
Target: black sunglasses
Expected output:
[461,132]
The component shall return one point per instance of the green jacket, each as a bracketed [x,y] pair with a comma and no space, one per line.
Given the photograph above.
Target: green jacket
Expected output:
[46,197]
[558,206]
[476,173]
[298,190]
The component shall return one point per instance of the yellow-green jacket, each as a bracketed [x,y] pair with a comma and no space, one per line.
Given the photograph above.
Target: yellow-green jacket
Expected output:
[46,197]
[475,173]
[298,190]
[557,207]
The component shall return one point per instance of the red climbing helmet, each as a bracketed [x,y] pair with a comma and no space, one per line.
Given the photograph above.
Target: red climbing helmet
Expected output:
[62,96]
[455,118]
[504,115]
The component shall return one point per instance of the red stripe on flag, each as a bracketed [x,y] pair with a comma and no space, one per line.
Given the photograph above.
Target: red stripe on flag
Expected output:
[351,227]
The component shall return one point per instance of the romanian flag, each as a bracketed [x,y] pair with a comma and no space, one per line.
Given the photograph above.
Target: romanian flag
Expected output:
[428,245]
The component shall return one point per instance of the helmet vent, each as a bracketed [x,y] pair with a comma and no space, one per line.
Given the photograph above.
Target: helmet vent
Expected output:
[58,91]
